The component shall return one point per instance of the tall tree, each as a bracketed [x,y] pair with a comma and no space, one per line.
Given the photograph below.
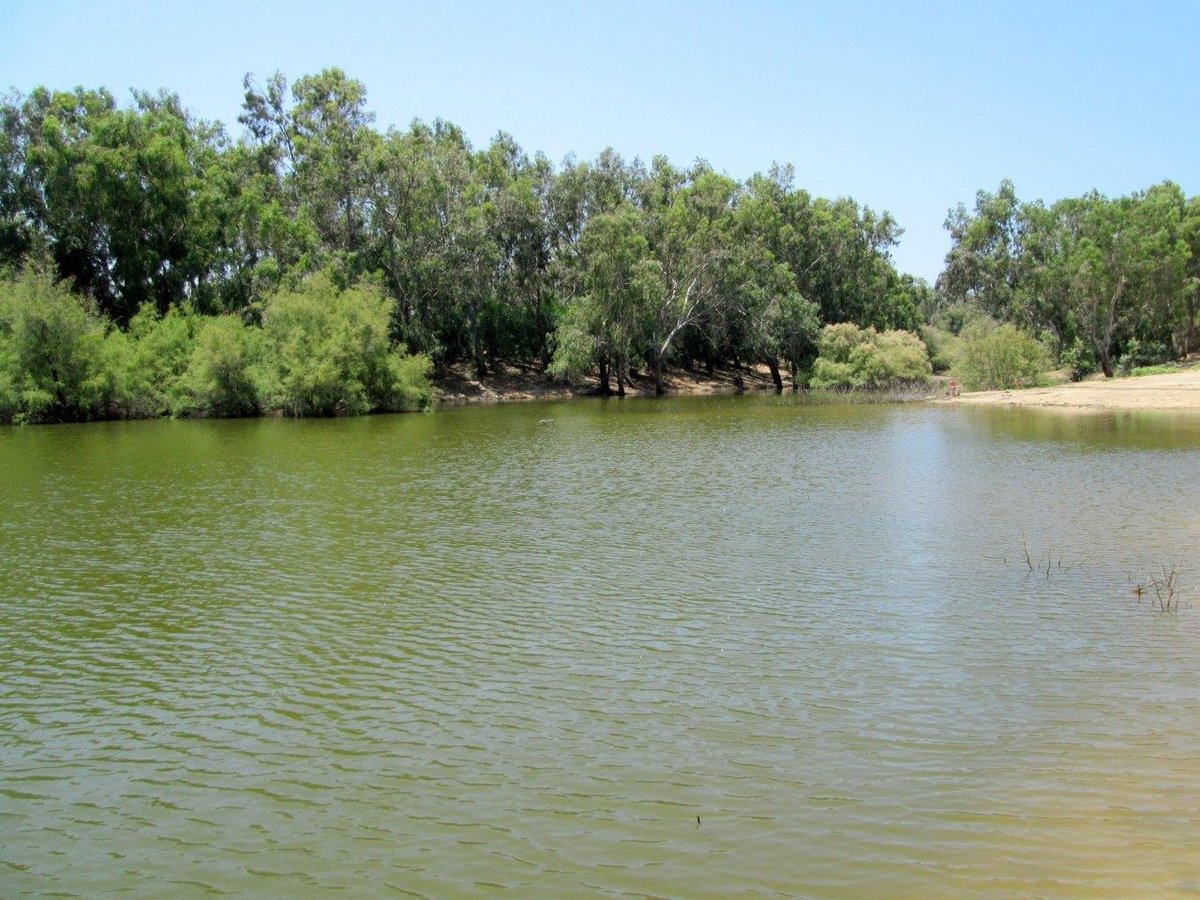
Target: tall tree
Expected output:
[620,285]
[1109,263]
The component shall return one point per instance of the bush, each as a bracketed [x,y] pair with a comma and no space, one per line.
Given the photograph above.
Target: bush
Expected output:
[999,356]
[853,357]
[829,374]
[1161,369]
[50,347]
[163,348]
[894,357]
[1079,359]
[221,376]
[943,346]
[115,384]
[1143,354]
[328,353]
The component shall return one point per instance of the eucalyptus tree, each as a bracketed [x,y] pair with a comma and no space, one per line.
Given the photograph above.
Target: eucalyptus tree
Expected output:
[987,266]
[694,246]
[1187,314]
[121,198]
[518,190]
[19,192]
[321,145]
[620,285]
[1111,264]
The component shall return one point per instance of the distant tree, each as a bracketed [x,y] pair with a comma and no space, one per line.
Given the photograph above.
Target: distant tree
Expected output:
[120,198]
[986,265]
[1108,264]
[620,286]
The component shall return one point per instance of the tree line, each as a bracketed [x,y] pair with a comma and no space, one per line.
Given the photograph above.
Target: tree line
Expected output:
[486,254]
[146,215]
[1104,283]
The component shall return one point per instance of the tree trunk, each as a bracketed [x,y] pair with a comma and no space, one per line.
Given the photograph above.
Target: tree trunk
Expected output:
[620,376]
[659,387]
[773,365]
[605,385]
[476,344]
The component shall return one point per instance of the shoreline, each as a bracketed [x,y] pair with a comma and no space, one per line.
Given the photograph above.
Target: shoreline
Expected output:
[510,383]
[1172,392]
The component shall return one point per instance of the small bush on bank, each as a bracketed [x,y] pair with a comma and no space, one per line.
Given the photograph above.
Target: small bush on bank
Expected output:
[322,351]
[329,353]
[853,357]
[222,374]
[1162,369]
[995,357]
[139,371]
[943,346]
[1079,359]
[1142,355]
[50,352]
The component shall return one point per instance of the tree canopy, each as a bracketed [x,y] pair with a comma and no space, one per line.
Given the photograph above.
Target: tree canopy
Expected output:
[486,254]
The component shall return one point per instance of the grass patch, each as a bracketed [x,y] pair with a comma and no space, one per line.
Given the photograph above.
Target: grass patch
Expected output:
[1160,369]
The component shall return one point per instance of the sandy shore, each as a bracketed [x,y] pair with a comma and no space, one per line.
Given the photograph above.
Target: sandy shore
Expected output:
[1174,391]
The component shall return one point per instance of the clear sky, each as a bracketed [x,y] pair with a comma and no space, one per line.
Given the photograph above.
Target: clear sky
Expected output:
[904,106]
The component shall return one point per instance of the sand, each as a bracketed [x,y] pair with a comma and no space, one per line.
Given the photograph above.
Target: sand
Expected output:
[1174,391]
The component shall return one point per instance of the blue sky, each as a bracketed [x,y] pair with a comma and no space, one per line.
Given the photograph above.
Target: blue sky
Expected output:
[905,107]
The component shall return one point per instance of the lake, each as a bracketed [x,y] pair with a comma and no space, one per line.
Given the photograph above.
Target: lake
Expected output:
[691,647]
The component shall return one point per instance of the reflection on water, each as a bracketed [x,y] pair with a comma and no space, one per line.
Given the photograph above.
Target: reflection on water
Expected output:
[692,647]
[1122,428]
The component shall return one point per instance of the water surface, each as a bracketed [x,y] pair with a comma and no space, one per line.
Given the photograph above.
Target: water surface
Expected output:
[682,648]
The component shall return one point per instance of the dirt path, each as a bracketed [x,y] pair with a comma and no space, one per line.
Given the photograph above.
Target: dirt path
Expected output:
[1174,391]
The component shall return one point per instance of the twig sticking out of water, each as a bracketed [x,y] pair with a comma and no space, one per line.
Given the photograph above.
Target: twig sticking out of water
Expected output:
[1165,589]
[1025,547]
[1048,565]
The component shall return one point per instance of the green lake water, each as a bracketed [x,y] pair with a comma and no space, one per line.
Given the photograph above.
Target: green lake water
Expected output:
[692,647]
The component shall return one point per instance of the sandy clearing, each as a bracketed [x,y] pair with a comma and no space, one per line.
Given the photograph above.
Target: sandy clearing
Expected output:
[1174,391]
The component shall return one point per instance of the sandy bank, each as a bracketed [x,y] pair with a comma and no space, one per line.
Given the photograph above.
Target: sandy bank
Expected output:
[1174,391]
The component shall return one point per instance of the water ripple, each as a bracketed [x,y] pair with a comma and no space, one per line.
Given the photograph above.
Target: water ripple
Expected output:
[690,648]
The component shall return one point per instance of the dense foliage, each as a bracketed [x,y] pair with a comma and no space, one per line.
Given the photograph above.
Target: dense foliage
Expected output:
[1107,283]
[479,254]
[853,357]
[321,351]
[317,264]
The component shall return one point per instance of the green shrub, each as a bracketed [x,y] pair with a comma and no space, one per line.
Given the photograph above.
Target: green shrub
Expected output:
[851,357]
[893,357]
[999,356]
[329,353]
[1079,359]
[118,389]
[221,375]
[1142,354]
[50,347]
[409,387]
[10,397]
[163,348]
[943,346]
[829,374]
